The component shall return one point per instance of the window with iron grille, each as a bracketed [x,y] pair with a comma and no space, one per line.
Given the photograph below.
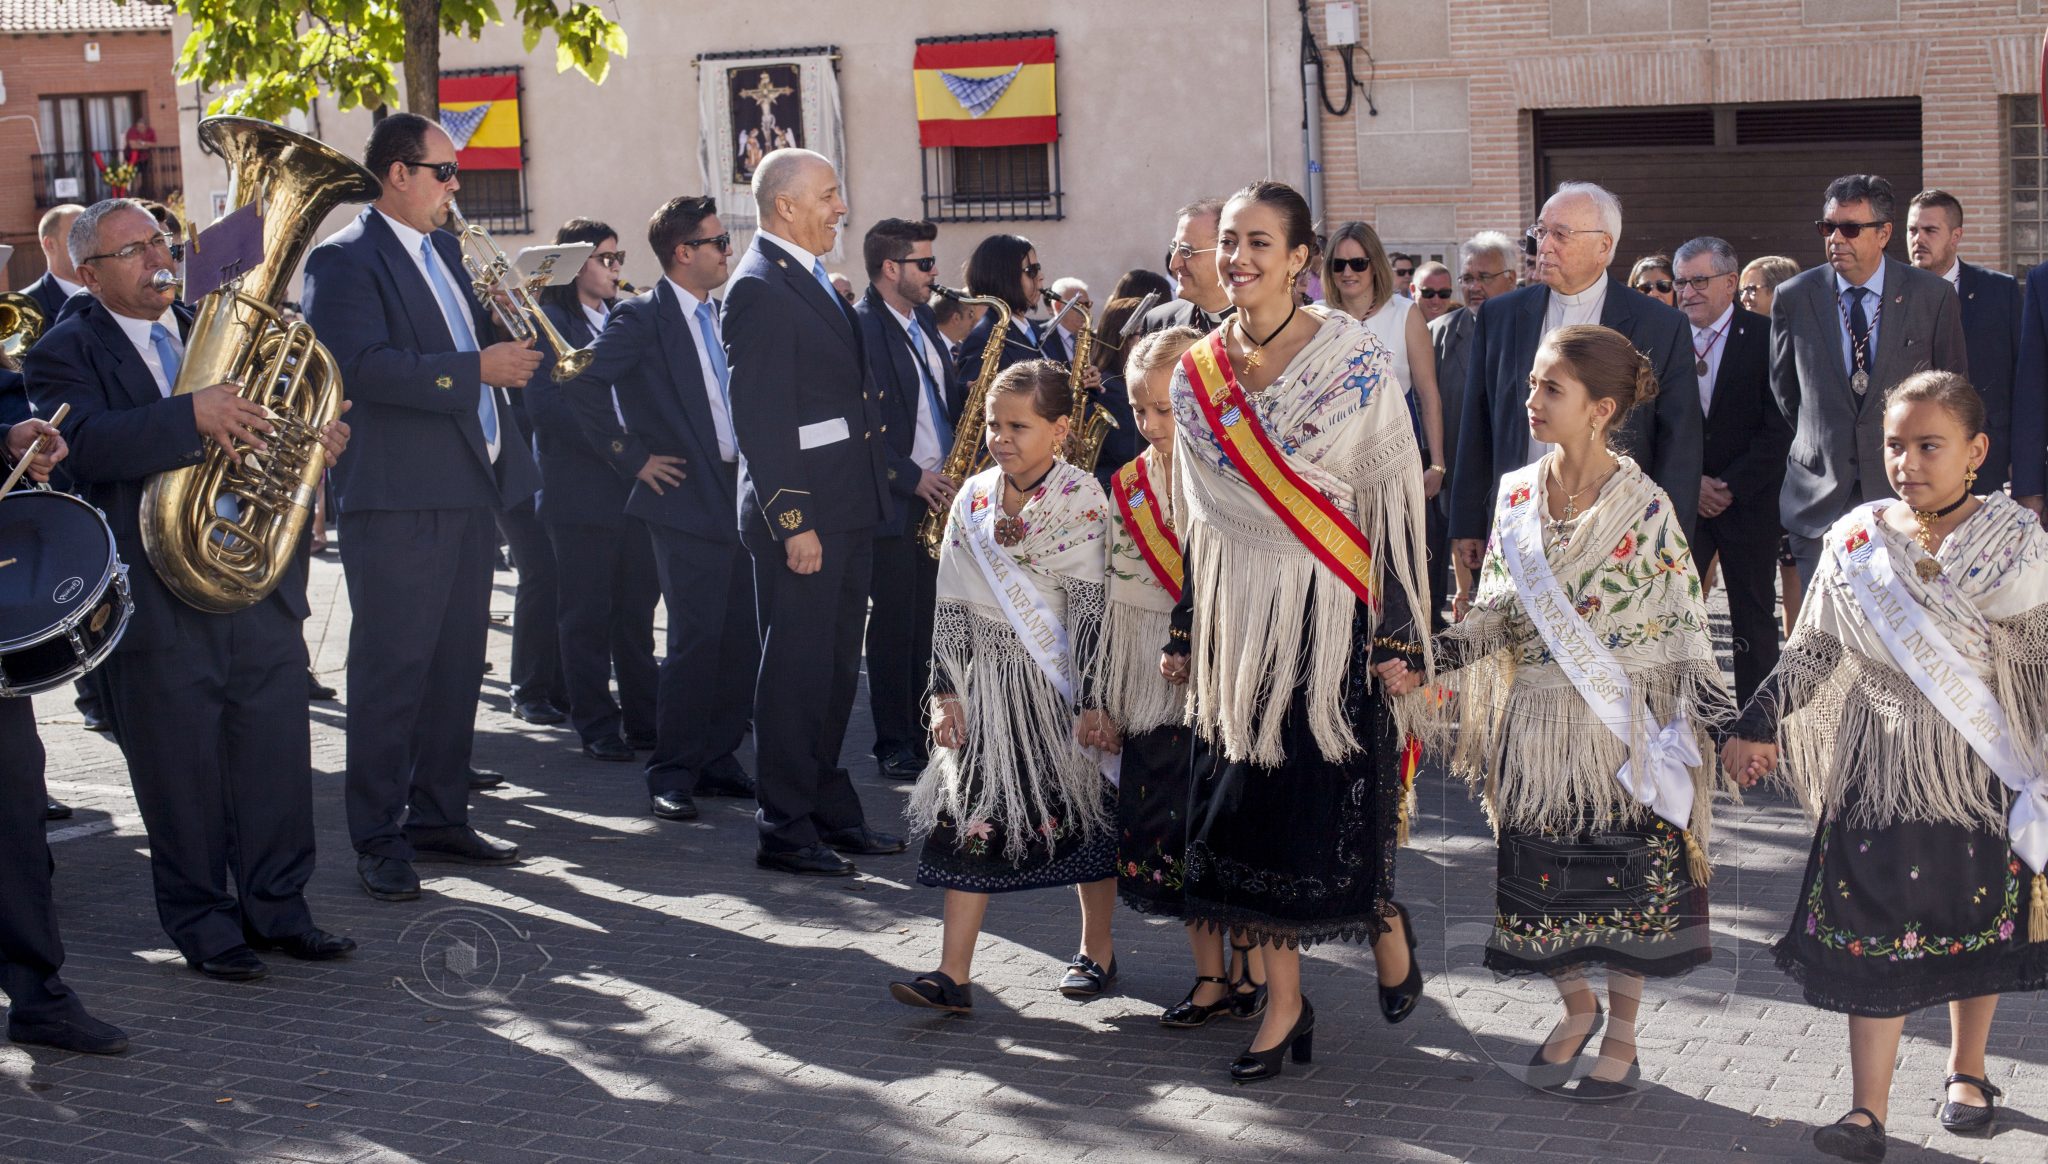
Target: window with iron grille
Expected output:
[480,109]
[2027,181]
[989,138]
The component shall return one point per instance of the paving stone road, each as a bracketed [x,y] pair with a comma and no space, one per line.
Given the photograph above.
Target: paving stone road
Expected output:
[637,990]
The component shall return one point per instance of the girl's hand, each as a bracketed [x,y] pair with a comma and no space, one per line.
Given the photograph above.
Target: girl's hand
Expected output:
[949,723]
[1094,729]
[1173,668]
[1395,676]
[1748,761]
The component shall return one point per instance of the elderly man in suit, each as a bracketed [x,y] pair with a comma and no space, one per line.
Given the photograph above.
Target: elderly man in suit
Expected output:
[920,396]
[1487,263]
[661,354]
[1841,335]
[60,279]
[1575,242]
[435,457]
[212,707]
[1743,458]
[1991,318]
[813,487]
[2030,397]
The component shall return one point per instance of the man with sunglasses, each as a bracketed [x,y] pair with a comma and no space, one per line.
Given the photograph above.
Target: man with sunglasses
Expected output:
[921,396]
[1487,263]
[212,707]
[435,458]
[1191,260]
[1433,294]
[1842,334]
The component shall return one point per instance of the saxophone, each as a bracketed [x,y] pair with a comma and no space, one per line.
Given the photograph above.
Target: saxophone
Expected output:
[969,454]
[222,532]
[1090,423]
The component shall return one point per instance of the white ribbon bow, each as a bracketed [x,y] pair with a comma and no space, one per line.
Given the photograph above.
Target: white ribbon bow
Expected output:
[1672,753]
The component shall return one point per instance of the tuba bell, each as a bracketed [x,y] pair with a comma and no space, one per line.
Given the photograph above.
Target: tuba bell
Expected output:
[222,532]
[21,322]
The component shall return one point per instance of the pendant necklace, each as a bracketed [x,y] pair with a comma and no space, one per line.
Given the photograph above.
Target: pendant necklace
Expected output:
[1257,353]
[1571,505]
[1010,530]
[1928,568]
[1699,363]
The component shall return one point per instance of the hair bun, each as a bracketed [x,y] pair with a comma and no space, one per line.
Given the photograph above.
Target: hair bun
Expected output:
[1647,385]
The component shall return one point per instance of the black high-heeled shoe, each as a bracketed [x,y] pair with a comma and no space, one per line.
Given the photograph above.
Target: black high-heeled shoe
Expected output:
[1545,1075]
[1599,1090]
[1398,1002]
[1250,1001]
[1188,1014]
[1966,1120]
[1253,1066]
[1847,1141]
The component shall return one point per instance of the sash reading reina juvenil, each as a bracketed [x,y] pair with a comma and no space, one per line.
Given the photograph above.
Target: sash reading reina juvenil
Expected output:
[1135,502]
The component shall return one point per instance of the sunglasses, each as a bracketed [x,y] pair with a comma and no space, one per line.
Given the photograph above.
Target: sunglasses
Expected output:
[1403,272]
[1660,286]
[443,171]
[722,241]
[611,259]
[925,264]
[1360,266]
[1433,293]
[1827,227]
[1032,269]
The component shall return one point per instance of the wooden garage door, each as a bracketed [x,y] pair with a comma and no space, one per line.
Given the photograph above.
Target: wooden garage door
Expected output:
[1752,174]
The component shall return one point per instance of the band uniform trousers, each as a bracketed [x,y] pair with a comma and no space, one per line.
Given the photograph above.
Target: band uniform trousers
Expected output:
[536,631]
[1749,568]
[215,730]
[419,584]
[810,673]
[606,621]
[904,594]
[714,645]
[31,954]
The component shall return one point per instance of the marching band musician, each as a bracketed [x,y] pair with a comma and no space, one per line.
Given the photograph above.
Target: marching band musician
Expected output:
[213,707]
[1005,267]
[438,456]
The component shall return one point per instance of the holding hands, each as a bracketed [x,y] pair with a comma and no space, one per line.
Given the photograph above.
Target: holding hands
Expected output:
[1094,729]
[1748,761]
[949,723]
[1395,676]
[1173,668]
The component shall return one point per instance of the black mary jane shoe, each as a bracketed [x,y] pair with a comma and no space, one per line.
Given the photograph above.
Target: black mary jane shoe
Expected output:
[1545,1075]
[1398,1002]
[934,991]
[1247,998]
[1187,1014]
[1598,1090]
[1965,1120]
[1085,978]
[1848,1141]
[1254,1066]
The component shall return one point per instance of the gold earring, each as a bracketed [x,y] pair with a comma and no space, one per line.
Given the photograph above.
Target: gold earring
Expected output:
[1970,478]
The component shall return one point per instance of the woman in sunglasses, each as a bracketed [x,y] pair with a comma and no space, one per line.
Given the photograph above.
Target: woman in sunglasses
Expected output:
[1005,267]
[1652,276]
[1359,282]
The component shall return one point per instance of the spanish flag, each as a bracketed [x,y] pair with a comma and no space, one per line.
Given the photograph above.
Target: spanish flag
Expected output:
[481,115]
[995,91]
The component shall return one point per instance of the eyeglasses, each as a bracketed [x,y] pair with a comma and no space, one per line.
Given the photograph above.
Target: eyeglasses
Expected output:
[1699,282]
[924,264]
[722,241]
[1031,270]
[1433,293]
[1539,234]
[612,259]
[1359,266]
[136,249]
[1184,252]
[1827,227]
[1750,292]
[1474,278]
[443,171]
[1660,286]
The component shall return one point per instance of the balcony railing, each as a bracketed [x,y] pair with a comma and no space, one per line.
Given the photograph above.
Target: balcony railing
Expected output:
[75,177]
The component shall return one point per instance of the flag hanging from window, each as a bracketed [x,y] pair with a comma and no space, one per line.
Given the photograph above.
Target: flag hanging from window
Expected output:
[481,115]
[990,91]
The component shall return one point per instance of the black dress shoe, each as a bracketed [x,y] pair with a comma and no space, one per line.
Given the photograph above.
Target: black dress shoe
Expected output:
[1847,1141]
[80,1033]
[239,964]
[1085,978]
[387,878]
[901,765]
[809,861]
[610,748]
[725,777]
[1187,1014]
[96,721]
[539,711]
[640,741]
[864,841]
[1964,1119]
[53,810]
[1253,1066]
[482,781]
[1398,1002]
[462,845]
[672,806]
[319,692]
[312,946]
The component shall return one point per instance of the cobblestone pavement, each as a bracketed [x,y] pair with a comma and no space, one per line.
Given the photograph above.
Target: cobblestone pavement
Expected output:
[637,990]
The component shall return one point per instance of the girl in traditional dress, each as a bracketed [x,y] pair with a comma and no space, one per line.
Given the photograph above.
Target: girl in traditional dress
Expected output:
[1017,794]
[1912,707]
[1144,583]
[1300,508]
[1582,685]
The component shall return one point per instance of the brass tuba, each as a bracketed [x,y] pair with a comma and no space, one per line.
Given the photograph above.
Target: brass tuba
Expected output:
[1091,422]
[21,322]
[969,454]
[221,533]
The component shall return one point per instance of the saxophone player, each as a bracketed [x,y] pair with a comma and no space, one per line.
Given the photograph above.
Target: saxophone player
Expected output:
[212,707]
[921,398]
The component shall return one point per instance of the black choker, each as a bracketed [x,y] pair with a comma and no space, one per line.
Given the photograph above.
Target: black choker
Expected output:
[1929,566]
[1028,490]
[1944,511]
[1257,355]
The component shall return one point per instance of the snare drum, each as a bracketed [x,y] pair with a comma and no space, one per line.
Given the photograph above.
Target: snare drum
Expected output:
[63,590]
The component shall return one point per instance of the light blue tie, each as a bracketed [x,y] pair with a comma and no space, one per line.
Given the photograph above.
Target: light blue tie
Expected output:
[707,332]
[940,425]
[458,329]
[166,353]
[825,281]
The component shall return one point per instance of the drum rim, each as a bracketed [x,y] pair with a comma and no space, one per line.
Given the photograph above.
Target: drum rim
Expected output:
[114,566]
[125,605]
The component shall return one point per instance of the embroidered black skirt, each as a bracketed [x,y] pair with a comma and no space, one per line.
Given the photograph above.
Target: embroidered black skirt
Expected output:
[1152,819]
[970,856]
[1620,895]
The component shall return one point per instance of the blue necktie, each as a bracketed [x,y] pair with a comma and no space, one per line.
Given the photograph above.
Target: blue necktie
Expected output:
[458,329]
[707,332]
[940,425]
[824,280]
[166,353]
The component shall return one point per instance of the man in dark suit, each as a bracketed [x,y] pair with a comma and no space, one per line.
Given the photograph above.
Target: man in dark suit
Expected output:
[1576,239]
[606,614]
[1487,264]
[435,457]
[1991,319]
[1191,260]
[920,398]
[813,487]
[2030,396]
[212,707]
[60,279]
[539,691]
[41,1008]
[660,353]
[1841,335]
[1743,459]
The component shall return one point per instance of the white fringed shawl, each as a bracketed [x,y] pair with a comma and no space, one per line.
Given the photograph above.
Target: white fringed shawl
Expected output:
[1337,413]
[1136,624]
[1020,766]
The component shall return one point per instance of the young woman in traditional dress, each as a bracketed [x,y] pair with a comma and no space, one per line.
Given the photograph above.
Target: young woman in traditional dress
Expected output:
[1912,707]
[1581,687]
[1300,509]
[1018,793]
[1144,583]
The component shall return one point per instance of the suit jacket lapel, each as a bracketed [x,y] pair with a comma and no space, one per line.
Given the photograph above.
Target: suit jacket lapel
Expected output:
[679,350]
[136,383]
[1528,336]
[420,305]
[1889,362]
[807,289]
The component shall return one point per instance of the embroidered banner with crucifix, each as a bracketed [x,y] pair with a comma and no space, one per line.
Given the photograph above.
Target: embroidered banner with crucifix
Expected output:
[754,103]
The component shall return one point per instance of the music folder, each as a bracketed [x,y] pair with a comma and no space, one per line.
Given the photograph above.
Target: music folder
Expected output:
[551,265]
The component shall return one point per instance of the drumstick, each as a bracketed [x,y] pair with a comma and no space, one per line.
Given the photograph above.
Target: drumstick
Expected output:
[34,447]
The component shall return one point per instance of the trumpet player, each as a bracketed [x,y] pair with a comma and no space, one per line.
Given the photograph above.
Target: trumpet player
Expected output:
[438,454]
[212,707]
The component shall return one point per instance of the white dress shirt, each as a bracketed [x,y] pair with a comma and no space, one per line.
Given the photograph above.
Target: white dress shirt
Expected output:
[1562,311]
[1717,334]
[597,317]
[924,447]
[1954,275]
[721,416]
[805,259]
[65,285]
[137,331]
[410,239]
